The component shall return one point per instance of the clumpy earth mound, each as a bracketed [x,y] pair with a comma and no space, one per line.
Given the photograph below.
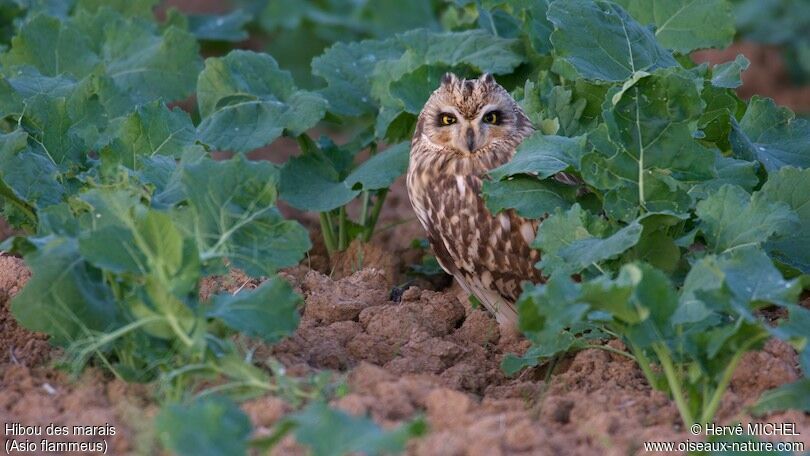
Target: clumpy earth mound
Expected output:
[426,354]
[32,393]
[430,354]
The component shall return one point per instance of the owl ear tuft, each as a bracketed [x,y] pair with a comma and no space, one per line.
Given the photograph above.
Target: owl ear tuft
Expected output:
[487,78]
[449,79]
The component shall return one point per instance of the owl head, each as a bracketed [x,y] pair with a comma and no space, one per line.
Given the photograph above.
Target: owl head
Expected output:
[469,116]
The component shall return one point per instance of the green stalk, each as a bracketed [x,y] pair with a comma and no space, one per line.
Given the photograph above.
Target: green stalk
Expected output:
[710,409]
[364,207]
[674,384]
[375,214]
[343,235]
[24,207]
[644,364]
[328,234]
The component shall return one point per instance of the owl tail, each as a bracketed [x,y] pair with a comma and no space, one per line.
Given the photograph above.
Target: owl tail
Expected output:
[504,310]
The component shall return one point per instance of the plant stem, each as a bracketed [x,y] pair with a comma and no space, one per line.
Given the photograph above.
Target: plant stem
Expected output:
[610,349]
[674,384]
[375,214]
[23,207]
[364,208]
[644,364]
[343,235]
[710,409]
[328,234]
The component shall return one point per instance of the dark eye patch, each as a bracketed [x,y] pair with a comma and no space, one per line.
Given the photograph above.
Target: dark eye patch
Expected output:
[445,118]
[494,117]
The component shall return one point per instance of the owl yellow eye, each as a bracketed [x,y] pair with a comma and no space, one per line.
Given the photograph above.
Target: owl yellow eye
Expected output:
[492,117]
[447,119]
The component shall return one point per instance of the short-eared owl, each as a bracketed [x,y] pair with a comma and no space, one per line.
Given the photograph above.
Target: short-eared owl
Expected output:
[467,128]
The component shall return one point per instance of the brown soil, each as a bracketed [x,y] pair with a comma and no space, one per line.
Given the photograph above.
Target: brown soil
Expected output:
[766,76]
[36,394]
[429,354]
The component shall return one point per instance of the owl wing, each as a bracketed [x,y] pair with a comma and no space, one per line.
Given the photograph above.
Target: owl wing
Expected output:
[489,255]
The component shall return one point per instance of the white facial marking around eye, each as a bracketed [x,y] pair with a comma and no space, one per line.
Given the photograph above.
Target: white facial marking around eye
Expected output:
[461,185]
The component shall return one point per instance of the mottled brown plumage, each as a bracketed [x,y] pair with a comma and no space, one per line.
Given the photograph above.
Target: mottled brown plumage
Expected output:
[488,254]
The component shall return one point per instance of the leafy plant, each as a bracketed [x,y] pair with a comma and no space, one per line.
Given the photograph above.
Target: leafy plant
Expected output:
[688,220]
[687,223]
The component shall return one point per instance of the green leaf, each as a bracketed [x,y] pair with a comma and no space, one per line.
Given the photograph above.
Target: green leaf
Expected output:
[66,296]
[329,432]
[602,42]
[792,187]
[730,171]
[736,282]
[246,102]
[731,218]
[226,27]
[381,170]
[686,25]
[347,69]
[270,311]
[649,160]
[727,75]
[772,135]
[233,216]
[570,243]
[142,61]
[28,171]
[211,425]
[310,182]
[791,396]
[52,47]
[543,156]
[152,129]
[530,197]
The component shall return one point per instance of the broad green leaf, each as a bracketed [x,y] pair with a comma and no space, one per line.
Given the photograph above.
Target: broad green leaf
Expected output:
[553,318]
[269,312]
[310,182]
[569,245]
[529,196]
[381,170]
[232,215]
[686,25]
[792,396]
[730,171]
[602,42]
[347,69]
[209,426]
[53,47]
[543,156]
[727,75]
[737,282]
[721,106]
[50,125]
[142,61]
[66,296]
[649,159]
[28,171]
[246,102]
[731,218]
[226,27]
[152,129]
[792,187]
[772,135]
[329,432]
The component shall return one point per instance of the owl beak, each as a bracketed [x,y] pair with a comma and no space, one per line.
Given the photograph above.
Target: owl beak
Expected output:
[470,140]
